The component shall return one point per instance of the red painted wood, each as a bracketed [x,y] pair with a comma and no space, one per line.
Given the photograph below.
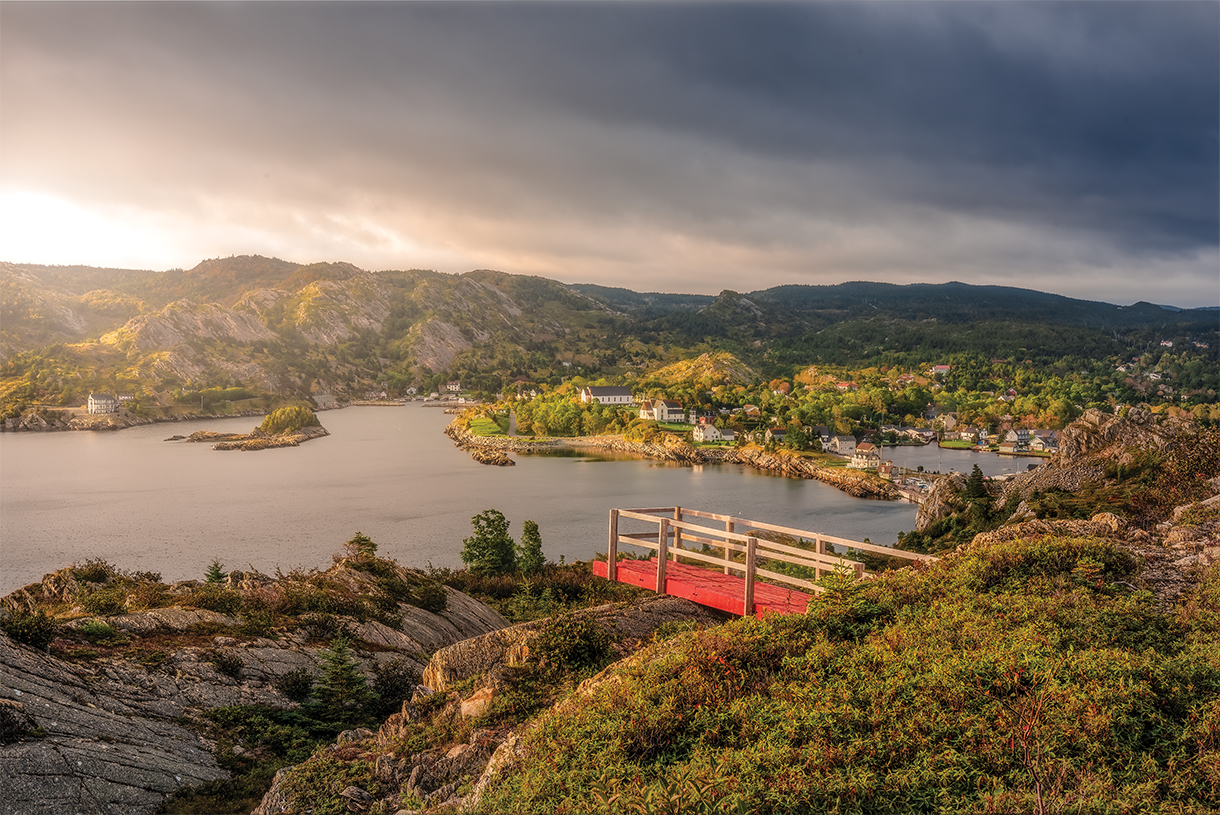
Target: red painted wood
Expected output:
[708,587]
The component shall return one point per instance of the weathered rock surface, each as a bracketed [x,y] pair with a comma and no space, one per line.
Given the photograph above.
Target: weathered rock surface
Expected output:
[112,743]
[108,748]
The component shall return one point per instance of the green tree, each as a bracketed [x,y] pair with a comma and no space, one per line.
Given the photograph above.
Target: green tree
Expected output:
[215,573]
[529,557]
[361,547]
[343,693]
[490,549]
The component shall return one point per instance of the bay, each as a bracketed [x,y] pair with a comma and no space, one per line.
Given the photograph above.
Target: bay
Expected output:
[145,504]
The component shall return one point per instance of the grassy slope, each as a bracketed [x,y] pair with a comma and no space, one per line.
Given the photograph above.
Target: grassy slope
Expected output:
[1022,676]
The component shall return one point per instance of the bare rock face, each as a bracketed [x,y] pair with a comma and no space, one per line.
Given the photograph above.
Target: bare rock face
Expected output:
[941,502]
[106,749]
[101,736]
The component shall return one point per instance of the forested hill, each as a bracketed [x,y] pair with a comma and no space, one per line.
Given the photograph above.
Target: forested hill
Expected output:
[276,327]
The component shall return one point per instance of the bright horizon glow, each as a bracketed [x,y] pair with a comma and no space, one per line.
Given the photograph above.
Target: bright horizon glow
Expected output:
[45,229]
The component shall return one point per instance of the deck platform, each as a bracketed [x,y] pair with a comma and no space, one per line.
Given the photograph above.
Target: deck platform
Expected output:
[708,587]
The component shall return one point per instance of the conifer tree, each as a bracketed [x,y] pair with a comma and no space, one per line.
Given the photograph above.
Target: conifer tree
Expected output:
[343,691]
[530,558]
[215,573]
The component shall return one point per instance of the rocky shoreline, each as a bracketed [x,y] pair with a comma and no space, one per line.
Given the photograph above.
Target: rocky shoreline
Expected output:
[255,439]
[854,483]
[35,423]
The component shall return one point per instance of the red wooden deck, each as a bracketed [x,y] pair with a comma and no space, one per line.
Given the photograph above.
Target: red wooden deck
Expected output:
[708,587]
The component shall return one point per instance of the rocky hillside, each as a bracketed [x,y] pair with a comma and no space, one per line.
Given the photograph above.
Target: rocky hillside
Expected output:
[291,329]
[107,675]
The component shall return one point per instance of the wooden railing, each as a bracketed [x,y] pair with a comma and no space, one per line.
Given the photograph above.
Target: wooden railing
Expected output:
[674,529]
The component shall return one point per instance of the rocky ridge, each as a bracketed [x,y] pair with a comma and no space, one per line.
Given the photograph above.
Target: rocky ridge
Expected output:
[101,732]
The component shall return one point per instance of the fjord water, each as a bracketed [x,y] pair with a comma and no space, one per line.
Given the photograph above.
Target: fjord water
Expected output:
[145,504]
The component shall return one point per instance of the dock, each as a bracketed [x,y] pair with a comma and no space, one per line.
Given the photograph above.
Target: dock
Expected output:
[740,572]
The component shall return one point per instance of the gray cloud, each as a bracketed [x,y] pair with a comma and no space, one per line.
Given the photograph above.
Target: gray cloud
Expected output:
[686,147]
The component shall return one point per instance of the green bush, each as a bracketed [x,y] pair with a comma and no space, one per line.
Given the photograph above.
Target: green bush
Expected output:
[105,602]
[36,630]
[257,623]
[430,596]
[97,631]
[297,684]
[214,597]
[393,682]
[227,663]
[94,570]
[572,642]
[314,785]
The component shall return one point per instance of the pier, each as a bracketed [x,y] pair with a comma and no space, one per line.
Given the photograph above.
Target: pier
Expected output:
[734,565]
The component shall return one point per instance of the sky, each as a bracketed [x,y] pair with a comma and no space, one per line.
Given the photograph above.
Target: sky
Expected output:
[1070,147]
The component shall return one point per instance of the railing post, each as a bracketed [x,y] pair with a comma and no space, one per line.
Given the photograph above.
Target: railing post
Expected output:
[751,547]
[820,548]
[612,555]
[728,553]
[662,554]
[677,532]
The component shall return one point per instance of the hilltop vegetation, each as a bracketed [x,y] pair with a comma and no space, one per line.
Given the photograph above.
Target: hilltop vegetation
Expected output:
[286,330]
[1019,677]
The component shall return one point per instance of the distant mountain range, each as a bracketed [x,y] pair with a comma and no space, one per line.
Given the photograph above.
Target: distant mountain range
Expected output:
[286,328]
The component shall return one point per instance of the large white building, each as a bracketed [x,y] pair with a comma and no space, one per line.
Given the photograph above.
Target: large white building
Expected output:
[607,395]
[102,403]
[662,410]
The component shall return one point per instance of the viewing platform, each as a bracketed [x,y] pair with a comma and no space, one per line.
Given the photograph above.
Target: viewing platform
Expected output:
[724,571]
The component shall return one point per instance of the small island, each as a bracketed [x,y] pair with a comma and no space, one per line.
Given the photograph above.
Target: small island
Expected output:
[285,427]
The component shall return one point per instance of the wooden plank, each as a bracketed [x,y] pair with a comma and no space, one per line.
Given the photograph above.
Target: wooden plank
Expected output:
[728,552]
[662,554]
[749,579]
[678,527]
[644,544]
[795,581]
[612,559]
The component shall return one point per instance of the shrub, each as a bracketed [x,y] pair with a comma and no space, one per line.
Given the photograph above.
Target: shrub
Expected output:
[361,547]
[105,602]
[322,626]
[147,595]
[94,570]
[257,623]
[314,785]
[297,684]
[36,630]
[393,682]
[572,642]
[96,631]
[227,663]
[430,596]
[214,597]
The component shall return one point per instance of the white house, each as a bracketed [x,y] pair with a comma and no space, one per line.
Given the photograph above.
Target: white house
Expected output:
[866,456]
[607,395]
[454,386]
[776,434]
[102,403]
[709,432]
[843,445]
[662,410]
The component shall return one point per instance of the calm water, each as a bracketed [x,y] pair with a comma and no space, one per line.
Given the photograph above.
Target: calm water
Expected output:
[150,505]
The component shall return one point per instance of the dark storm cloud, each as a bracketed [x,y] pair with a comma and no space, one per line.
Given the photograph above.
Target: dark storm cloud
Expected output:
[676,144]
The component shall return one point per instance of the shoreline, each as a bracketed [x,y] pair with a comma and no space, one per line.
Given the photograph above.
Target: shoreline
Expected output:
[852,482]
